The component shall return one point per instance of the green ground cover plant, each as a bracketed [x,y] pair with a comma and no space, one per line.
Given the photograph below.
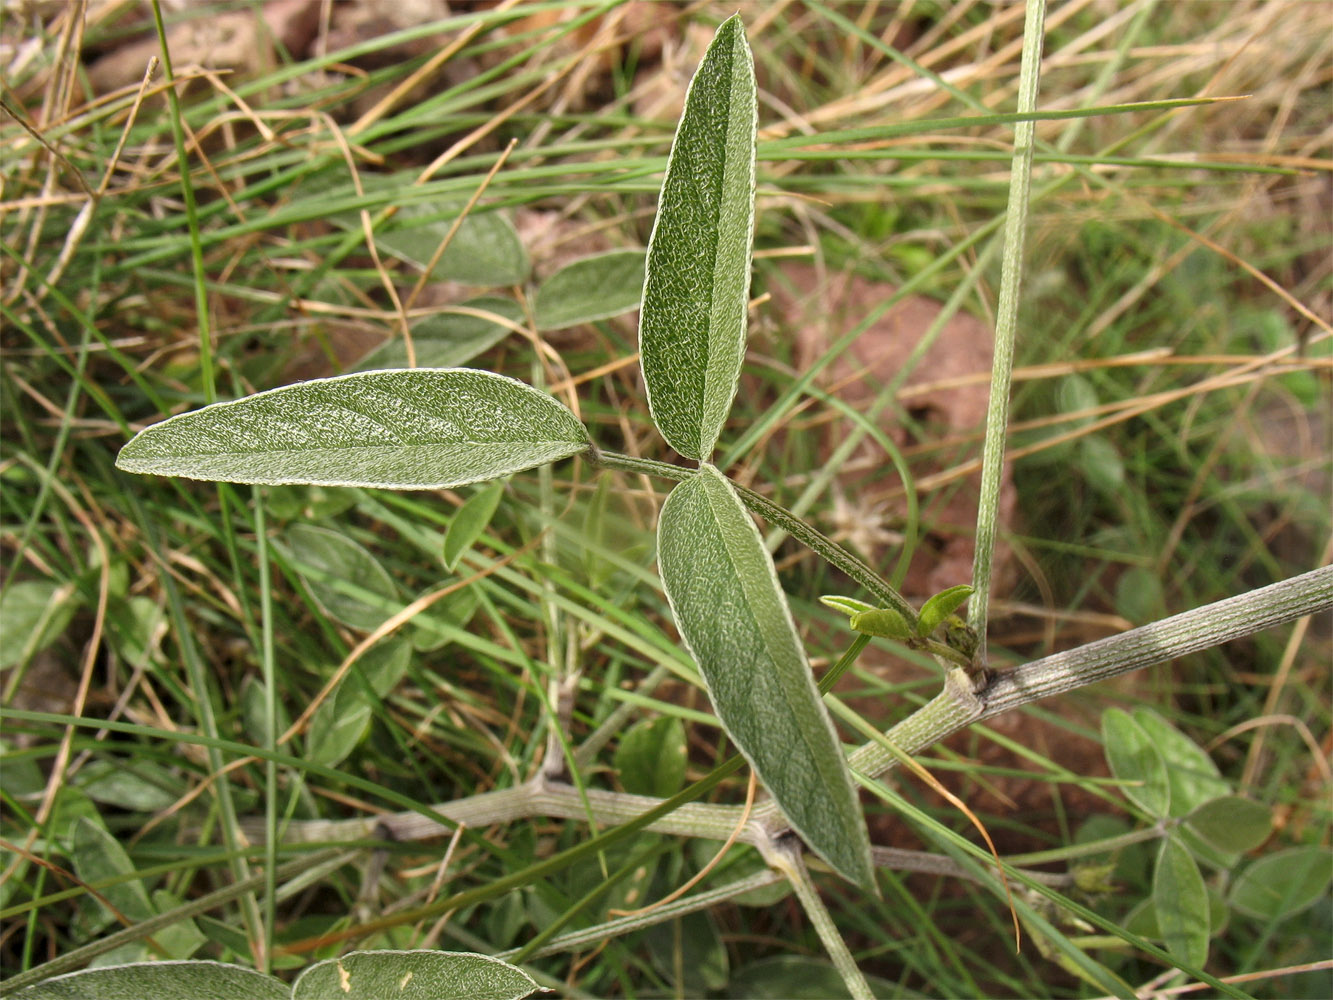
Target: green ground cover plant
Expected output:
[498,675]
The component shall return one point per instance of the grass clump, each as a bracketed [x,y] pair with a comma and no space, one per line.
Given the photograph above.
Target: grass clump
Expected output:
[1169,435]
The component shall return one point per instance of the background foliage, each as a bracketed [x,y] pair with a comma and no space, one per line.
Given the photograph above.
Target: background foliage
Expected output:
[1171,434]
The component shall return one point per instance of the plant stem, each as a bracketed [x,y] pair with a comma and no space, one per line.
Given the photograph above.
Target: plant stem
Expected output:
[789,860]
[1006,322]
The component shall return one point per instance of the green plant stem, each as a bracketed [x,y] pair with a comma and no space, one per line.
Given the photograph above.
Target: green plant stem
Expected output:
[268,660]
[954,708]
[1006,323]
[790,861]
[780,517]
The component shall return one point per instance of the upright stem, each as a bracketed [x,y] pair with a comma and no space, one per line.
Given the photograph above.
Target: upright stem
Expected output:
[1006,321]
[788,859]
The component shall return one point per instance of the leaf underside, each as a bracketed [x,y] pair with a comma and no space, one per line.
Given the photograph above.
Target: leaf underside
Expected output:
[734,618]
[427,428]
[696,286]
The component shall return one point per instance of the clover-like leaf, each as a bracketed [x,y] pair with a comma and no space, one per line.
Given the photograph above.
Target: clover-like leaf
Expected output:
[427,428]
[1182,904]
[735,621]
[697,280]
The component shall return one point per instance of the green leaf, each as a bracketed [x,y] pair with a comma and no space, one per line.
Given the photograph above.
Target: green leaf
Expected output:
[347,581]
[1231,824]
[1075,394]
[342,722]
[1138,595]
[1102,466]
[33,613]
[183,938]
[735,621]
[1135,758]
[651,757]
[940,607]
[197,980]
[427,428]
[1142,919]
[484,250]
[97,855]
[448,339]
[1281,884]
[470,521]
[413,975]
[124,783]
[1192,775]
[847,605]
[593,288]
[1181,903]
[696,288]
[883,622]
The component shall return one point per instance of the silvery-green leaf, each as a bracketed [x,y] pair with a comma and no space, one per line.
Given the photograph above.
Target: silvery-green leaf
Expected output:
[97,855]
[1276,886]
[348,583]
[33,613]
[469,522]
[1231,824]
[735,621]
[847,605]
[198,980]
[448,339]
[593,288]
[1192,775]
[651,757]
[421,429]
[697,281]
[413,975]
[940,607]
[484,250]
[883,622]
[1136,759]
[1181,903]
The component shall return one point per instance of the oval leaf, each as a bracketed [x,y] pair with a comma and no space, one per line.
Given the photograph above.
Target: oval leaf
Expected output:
[735,621]
[1231,824]
[447,339]
[593,288]
[1181,904]
[651,757]
[1134,758]
[697,280]
[940,607]
[346,581]
[33,613]
[883,622]
[427,428]
[1284,883]
[1192,774]
[197,980]
[470,521]
[97,856]
[413,975]
[847,605]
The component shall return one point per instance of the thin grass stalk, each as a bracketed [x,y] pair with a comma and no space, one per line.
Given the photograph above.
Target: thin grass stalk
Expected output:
[1006,322]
